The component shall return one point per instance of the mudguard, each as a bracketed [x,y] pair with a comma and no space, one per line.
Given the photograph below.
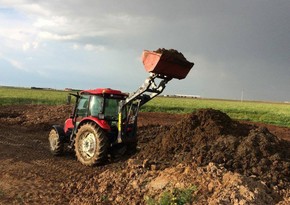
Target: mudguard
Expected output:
[102,123]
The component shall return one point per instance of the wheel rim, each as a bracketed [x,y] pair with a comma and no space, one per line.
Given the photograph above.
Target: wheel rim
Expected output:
[52,141]
[88,145]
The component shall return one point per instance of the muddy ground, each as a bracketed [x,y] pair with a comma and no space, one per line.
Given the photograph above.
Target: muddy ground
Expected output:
[227,162]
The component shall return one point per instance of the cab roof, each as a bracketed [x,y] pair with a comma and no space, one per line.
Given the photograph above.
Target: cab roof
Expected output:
[101,91]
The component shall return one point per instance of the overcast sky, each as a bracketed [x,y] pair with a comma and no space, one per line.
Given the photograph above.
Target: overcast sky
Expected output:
[238,47]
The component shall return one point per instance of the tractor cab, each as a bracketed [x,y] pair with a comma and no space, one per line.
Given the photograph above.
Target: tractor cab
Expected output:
[102,103]
[100,106]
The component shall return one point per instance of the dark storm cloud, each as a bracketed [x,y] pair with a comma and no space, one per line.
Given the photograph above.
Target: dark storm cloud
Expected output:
[237,46]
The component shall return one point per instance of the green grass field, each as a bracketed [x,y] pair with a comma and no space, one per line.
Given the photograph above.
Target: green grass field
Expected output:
[14,96]
[266,112]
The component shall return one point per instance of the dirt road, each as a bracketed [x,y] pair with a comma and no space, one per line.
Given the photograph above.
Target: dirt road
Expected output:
[167,159]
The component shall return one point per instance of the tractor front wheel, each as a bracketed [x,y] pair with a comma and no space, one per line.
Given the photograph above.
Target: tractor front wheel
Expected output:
[55,144]
[91,145]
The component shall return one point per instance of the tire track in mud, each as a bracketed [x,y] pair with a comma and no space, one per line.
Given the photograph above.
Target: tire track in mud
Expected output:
[11,143]
[31,172]
[17,142]
[69,176]
[21,148]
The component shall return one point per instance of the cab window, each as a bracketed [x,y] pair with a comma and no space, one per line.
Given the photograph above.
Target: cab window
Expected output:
[82,108]
[111,108]
[96,105]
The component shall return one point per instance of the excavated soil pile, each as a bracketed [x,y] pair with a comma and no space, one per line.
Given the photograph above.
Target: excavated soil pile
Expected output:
[212,136]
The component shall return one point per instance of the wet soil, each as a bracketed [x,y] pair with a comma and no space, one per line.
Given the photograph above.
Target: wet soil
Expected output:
[228,162]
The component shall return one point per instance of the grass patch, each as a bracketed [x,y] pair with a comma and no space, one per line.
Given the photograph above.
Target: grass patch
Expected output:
[1,193]
[174,197]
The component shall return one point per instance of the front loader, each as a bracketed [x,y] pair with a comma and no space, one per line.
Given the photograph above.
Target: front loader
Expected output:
[103,117]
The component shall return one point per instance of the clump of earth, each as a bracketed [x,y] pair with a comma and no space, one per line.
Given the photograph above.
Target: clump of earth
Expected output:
[171,53]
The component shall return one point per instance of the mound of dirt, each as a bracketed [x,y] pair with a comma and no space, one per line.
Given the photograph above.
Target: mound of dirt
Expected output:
[212,136]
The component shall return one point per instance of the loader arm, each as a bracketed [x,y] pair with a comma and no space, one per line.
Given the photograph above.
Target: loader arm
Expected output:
[162,67]
[149,90]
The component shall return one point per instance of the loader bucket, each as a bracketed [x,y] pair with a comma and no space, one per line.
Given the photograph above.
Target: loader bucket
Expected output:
[166,64]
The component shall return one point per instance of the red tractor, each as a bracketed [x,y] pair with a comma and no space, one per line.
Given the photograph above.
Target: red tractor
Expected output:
[104,117]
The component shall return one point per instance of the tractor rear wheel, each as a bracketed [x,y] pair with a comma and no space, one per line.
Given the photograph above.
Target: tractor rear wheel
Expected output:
[91,145]
[55,144]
